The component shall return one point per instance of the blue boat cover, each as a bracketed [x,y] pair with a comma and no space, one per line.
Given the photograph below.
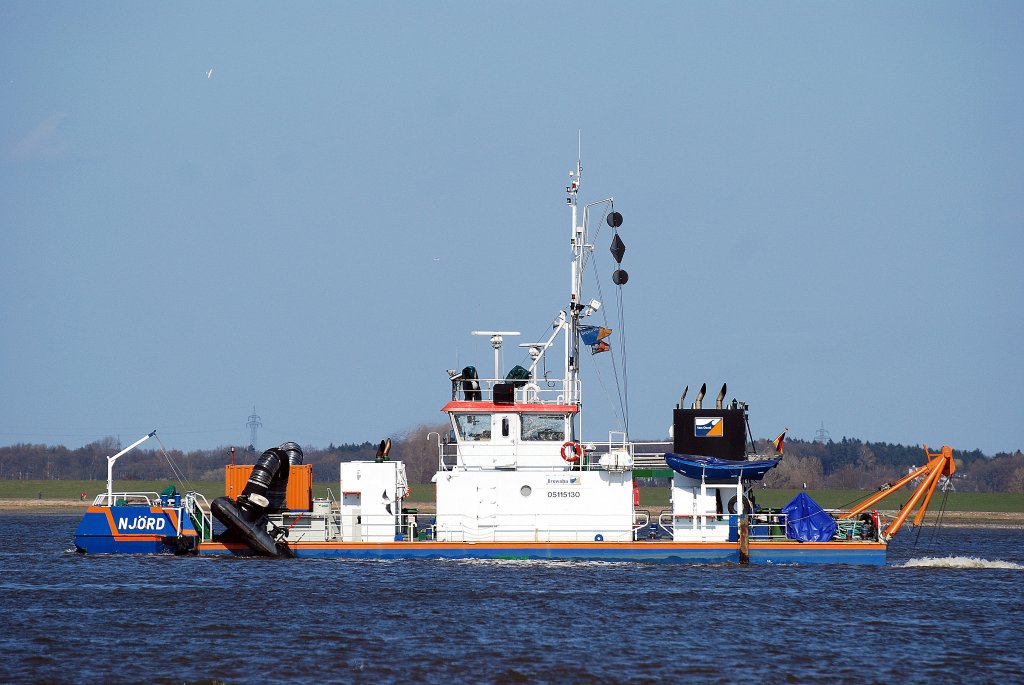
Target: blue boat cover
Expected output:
[806,521]
[714,469]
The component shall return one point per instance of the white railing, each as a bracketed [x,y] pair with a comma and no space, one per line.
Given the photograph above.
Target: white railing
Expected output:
[763,527]
[533,391]
[650,455]
[194,504]
[124,498]
[643,455]
[199,509]
[641,519]
[772,526]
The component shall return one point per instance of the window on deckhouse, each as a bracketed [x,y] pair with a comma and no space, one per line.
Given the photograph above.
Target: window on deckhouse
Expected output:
[473,426]
[544,427]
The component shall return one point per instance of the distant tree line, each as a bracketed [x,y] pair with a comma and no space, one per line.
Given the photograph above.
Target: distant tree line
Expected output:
[847,464]
[852,464]
[43,462]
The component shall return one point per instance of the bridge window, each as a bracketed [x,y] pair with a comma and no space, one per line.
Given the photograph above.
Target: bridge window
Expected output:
[474,426]
[548,427]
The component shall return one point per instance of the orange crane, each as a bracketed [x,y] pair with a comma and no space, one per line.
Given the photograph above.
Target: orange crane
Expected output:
[939,464]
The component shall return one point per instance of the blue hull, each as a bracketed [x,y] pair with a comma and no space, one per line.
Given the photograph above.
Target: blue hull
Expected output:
[136,530]
[638,551]
[654,551]
[99,544]
[866,554]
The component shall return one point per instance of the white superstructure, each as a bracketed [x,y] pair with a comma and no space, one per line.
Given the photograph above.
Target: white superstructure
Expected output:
[513,467]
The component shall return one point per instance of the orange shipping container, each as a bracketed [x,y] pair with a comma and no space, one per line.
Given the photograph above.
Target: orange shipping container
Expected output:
[300,484]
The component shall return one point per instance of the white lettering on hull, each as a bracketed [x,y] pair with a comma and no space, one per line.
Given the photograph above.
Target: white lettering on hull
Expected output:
[141,523]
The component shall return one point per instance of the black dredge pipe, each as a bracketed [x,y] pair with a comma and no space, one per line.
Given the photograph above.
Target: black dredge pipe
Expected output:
[267,488]
[265,492]
[253,533]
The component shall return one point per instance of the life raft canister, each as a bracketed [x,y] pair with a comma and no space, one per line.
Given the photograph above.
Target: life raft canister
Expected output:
[574,453]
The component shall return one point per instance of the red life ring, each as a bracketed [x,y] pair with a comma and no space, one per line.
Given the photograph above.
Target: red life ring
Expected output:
[574,454]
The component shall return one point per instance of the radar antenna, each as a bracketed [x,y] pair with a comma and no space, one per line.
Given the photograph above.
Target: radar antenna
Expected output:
[497,338]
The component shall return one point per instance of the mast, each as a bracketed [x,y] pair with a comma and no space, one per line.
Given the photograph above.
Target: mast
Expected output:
[578,243]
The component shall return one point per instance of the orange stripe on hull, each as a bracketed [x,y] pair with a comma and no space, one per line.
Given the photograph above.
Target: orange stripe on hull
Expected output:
[487,545]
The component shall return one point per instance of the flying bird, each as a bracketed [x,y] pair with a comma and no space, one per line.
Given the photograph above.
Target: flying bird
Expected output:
[209,74]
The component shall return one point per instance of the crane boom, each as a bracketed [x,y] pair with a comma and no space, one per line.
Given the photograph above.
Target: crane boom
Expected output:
[939,464]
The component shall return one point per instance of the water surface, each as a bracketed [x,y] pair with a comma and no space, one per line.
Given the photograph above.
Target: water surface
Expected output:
[947,609]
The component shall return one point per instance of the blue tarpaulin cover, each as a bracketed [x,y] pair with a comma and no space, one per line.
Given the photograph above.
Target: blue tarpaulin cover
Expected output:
[808,522]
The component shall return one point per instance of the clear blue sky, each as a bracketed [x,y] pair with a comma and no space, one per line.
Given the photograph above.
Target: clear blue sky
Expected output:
[823,207]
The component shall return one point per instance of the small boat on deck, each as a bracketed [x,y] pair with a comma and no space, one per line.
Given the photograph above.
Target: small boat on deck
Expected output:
[719,470]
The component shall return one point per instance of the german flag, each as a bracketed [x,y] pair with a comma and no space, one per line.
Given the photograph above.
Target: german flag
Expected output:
[778,442]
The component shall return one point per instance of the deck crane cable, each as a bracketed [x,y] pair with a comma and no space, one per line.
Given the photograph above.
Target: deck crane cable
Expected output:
[938,520]
[917,537]
[847,505]
[935,526]
[178,474]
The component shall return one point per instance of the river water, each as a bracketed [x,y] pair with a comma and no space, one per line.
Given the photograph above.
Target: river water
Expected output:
[947,608]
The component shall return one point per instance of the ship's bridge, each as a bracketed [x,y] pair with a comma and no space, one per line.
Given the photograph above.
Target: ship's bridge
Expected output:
[506,424]
[510,435]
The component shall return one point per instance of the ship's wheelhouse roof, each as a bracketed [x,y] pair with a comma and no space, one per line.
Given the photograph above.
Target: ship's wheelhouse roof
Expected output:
[459,406]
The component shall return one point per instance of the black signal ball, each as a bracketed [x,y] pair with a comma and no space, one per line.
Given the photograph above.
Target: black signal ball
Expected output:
[614,219]
[619,277]
[618,249]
